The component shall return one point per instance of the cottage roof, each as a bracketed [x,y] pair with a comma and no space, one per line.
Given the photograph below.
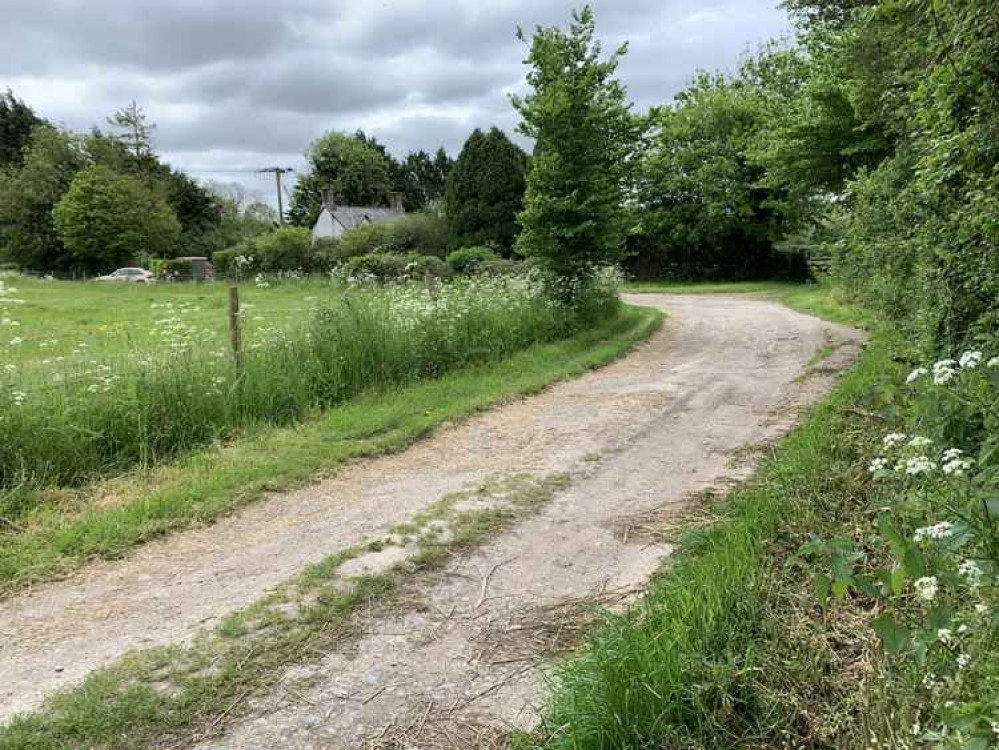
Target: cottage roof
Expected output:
[351,217]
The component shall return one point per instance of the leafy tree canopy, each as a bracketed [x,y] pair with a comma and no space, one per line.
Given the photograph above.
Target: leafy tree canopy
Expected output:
[485,191]
[106,219]
[574,215]
[17,120]
[355,171]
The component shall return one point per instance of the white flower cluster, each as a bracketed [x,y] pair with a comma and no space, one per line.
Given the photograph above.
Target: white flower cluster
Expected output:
[947,369]
[927,587]
[260,282]
[940,530]
[955,463]
[944,371]
[972,571]
[919,465]
[893,440]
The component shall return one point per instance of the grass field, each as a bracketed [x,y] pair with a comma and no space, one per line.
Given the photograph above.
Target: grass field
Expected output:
[96,320]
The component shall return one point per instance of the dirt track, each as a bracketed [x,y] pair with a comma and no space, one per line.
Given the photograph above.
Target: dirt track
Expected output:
[637,437]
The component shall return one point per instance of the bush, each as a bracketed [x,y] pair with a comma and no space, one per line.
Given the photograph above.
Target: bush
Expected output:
[284,249]
[393,266]
[469,260]
[423,232]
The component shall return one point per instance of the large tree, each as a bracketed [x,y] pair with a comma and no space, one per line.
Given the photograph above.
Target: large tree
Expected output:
[574,216]
[17,120]
[107,219]
[485,191]
[354,171]
[27,235]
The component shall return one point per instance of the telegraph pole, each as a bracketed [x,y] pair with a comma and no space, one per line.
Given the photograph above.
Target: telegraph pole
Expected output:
[278,171]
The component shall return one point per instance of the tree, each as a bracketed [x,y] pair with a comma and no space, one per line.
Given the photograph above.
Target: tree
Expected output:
[485,191]
[421,178]
[356,172]
[135,131]
[106,220]
[704,209]
[17,120]
[27,235]
[574,216]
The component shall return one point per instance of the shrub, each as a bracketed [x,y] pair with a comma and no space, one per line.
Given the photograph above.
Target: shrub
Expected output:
[469,260]
[423,232]
[284,249]
[393,266]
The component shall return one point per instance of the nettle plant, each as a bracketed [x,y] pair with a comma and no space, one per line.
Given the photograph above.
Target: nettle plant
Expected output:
[930,563]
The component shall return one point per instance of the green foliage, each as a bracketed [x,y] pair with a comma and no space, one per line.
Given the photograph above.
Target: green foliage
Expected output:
[899,112]
[105,220]
[145,406]
[280,250]
[421,178]
[423,232]
[574,217]
[393,267]
[485,191]
[347,166]
[706,216]
[28,237]
[17,120]
[470,260]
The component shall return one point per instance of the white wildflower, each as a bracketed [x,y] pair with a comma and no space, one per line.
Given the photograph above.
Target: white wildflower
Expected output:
[982,609]
[994,362]
[972,571]
[929,680]
[10,368]
[926,588]
[962,630]
[893,440]
[918,441]
[878,464]
[945,636]
[16,341]
[970,360]
[957,467]
[944,371]
[963,661]
[940,530]
[916,375]
[951,453]
[919,465]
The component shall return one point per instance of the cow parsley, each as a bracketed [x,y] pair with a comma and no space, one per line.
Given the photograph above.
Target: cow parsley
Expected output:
[919,465]
[940,530]
[926,588]
[916,375]
[970,360]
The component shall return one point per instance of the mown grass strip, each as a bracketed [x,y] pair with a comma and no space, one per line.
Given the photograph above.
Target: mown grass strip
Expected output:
[704,660]
[108,520]
[180,695]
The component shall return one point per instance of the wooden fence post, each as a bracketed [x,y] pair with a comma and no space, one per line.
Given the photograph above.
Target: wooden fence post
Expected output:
[235,336]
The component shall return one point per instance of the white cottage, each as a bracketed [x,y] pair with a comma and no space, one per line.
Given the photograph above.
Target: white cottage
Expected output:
[334,220]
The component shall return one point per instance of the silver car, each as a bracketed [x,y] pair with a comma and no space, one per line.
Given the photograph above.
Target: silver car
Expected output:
[135,275]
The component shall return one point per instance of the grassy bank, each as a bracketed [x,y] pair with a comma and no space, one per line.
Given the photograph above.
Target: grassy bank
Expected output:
[64,528]
[68,420]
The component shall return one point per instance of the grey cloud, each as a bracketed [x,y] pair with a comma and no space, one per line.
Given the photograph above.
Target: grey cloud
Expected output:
[260,79]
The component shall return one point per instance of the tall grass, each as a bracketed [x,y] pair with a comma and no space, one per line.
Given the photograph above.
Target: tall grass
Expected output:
[94,417]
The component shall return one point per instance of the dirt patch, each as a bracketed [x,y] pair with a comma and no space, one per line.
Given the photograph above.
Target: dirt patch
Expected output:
[641,434]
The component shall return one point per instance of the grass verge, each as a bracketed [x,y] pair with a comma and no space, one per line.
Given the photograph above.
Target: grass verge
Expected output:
[108,519]
[180,695]
[728,649]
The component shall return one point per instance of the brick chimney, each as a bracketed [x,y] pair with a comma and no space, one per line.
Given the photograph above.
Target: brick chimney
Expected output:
[395,202]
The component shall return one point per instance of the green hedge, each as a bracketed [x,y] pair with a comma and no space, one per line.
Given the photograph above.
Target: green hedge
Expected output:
[423,232]
[393,266]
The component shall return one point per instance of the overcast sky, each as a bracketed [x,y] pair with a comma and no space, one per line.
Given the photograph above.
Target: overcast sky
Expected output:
[236,85]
